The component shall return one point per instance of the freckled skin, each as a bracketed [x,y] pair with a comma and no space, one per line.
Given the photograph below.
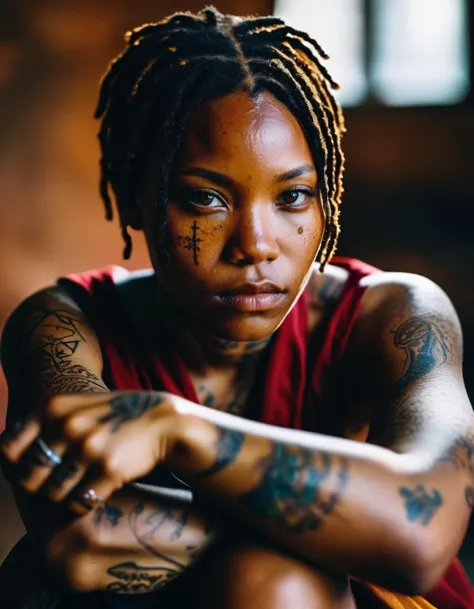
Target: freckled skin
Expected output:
[246,234]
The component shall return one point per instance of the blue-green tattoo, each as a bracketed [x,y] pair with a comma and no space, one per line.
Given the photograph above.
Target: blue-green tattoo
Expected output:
[293,484]
[420,505]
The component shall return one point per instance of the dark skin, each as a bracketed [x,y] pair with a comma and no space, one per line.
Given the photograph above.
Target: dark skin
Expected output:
[253,224]
[404,354]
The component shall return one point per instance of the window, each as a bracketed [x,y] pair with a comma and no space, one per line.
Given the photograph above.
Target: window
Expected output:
[402,52]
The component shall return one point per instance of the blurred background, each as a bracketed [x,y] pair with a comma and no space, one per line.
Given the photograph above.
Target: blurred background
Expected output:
[406,71]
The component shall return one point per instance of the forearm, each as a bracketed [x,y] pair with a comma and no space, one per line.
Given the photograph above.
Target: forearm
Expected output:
[354,508]
[137,543]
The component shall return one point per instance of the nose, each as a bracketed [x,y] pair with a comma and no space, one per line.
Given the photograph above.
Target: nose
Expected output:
[254,238]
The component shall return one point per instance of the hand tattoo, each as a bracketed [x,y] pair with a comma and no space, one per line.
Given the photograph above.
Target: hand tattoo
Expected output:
[108,513]
[128,407]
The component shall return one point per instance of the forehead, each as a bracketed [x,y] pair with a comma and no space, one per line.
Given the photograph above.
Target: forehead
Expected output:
[239,128]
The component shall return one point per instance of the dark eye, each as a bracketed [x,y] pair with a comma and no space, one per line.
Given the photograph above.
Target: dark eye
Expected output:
[203,198]
[296,197]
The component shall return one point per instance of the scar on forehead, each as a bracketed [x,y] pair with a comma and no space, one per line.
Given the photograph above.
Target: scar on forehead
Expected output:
[300,230]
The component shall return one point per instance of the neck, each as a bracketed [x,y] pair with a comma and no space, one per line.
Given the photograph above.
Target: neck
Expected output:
[202,352]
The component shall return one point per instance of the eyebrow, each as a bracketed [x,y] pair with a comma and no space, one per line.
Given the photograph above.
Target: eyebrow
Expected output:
[295,173]
[223,180]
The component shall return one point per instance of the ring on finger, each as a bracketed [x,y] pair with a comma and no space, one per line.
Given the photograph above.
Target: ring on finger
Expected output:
[44,455]
[89,499]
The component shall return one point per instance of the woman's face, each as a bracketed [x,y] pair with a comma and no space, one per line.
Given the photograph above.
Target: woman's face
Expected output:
[244,218]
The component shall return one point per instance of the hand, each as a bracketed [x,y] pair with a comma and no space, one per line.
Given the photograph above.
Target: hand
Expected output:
[85,447]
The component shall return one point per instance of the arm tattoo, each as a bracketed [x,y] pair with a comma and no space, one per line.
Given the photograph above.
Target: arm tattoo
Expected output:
[57,335]
[153,527]
[298,487]
[425,344]
[136,579]
[419,504]
[75,379]
[129,407]
[461,457]
[469,496]
[229,444]
[145,534]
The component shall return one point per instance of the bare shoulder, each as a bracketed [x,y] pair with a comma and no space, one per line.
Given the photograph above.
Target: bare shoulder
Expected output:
[47,303]
[49,346]
[406,298]
[403,363]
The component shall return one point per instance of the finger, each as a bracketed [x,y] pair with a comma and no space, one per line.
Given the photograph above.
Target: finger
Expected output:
[39,461]
[65,478]
[47,451]
[88,455]
[93,494]
[16,440]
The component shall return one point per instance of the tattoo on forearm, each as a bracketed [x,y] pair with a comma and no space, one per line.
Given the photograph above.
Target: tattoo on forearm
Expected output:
[136,579]
[153,522]
[108,514]
[153,528]
[229,443]
[425,343]
[298,487]
[461,457]
[129,407]
[420,505]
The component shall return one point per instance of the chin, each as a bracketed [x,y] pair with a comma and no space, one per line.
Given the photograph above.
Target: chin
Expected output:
[247,328]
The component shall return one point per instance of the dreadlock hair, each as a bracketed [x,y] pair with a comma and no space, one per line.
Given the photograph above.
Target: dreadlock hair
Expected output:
[170,68]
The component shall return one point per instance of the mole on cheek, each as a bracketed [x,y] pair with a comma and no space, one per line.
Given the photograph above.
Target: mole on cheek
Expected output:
[300,230]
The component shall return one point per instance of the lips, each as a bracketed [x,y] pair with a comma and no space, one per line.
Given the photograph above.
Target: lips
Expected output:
[252,297]
[264,287]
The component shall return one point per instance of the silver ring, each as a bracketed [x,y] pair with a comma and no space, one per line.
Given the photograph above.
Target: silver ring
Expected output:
[47,457]
[90,499]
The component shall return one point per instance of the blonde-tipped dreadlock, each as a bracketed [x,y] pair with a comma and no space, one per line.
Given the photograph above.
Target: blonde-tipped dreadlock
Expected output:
[171,67]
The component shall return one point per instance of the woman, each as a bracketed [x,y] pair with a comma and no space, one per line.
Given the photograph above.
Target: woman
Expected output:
[313,413]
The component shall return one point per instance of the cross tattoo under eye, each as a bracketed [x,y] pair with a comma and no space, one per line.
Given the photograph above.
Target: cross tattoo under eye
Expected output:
[191,242]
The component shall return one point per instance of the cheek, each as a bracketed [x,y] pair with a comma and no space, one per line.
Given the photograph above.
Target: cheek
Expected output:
[307,235]
[195,242]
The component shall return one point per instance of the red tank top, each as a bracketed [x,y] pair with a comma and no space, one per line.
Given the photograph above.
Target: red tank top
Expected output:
[297,374]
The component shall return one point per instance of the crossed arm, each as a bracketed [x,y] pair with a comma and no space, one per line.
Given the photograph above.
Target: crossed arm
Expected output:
[394,514]
[144,537]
